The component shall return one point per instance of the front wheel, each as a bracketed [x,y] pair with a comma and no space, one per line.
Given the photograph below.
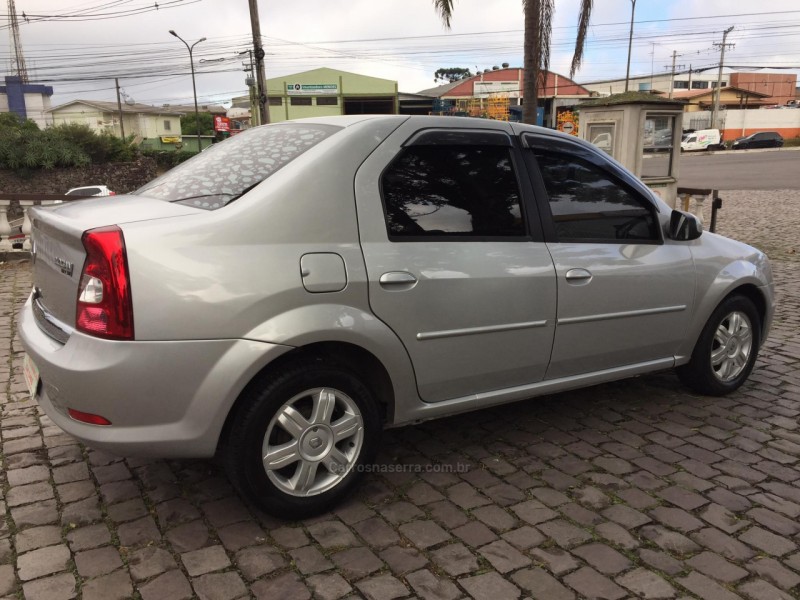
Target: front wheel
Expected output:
[726,350]
[300,440]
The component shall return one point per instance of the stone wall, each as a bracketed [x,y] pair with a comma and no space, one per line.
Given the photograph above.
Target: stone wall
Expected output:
[120,177]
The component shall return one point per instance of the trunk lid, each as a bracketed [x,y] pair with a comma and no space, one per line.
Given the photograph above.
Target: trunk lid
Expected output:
[58,254]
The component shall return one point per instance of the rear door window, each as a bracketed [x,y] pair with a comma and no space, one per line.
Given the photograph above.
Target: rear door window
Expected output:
[447,191]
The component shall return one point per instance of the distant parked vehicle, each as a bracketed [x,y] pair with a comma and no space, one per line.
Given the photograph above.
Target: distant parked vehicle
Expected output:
[762,139]
[603,141]
[91,190]
[704,139]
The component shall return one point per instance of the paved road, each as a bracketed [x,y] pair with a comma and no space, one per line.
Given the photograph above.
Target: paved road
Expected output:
[631,489]
[742,170]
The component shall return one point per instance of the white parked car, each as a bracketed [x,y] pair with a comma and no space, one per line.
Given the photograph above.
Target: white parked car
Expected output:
[704,139]
[91,190]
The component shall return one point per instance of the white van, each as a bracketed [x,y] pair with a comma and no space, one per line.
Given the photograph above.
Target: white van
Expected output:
[704,139]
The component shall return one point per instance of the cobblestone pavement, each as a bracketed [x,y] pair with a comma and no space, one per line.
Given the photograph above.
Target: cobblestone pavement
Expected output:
[631,489]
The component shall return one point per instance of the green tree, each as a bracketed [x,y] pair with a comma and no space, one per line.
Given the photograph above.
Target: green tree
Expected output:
[538,27]
[452,74]
[189,127]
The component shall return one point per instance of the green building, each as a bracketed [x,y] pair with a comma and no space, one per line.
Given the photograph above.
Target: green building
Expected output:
[327,92]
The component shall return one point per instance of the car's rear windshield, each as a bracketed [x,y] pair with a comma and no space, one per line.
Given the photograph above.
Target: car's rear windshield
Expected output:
[225,171]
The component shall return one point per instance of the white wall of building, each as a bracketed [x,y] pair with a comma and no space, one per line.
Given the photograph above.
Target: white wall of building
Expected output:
[35,106]
[659,81]
[736,123]
[82,114]
[139,124]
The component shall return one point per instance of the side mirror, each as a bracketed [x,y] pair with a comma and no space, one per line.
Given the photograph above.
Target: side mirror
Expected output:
[684,226]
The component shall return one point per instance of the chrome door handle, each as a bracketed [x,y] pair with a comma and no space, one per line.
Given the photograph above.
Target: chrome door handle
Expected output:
[398,280]
[578,276]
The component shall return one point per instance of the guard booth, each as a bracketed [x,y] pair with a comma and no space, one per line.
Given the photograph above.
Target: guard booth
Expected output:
[641,131]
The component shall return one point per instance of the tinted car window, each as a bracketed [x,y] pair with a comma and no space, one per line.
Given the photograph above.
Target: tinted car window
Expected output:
[467,190]
[589,204]
[227,170]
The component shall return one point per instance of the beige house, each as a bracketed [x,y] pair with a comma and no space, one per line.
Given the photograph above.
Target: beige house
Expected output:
[730,97]
[139,120]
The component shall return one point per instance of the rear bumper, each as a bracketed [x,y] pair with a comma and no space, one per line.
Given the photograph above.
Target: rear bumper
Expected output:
[166,399]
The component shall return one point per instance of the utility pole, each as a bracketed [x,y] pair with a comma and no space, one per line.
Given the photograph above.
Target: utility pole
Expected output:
[652,63]
[250,81]
[18,60]
[119,108]
[259,54]
[672,73]
[630,42]
[722,46]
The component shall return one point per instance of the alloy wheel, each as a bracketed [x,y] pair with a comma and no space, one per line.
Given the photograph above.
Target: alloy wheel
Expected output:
[312,442]
[731,347]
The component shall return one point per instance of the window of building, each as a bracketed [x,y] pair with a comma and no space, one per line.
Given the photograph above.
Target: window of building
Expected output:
[300,101]
[657,145]
[699,85]
[167,125]
[680,85]
[452,190]
[275,101]
[721,83]
[327,101]
[590,205]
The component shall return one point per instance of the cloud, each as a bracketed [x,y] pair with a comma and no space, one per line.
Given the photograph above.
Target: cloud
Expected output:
[407,41]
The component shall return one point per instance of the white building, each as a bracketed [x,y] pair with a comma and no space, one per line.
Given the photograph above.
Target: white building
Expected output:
[140,120]
[659,82]
[25,100]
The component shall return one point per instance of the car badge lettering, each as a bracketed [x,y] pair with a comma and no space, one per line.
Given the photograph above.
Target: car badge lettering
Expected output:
[66,266]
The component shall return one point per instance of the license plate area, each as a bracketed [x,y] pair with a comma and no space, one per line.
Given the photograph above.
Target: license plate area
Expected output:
[31,373]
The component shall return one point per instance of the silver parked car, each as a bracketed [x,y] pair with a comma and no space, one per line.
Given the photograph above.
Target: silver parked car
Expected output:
[282,297]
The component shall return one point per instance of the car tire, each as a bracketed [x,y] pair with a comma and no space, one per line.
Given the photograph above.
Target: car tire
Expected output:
[321,425]
[726,350]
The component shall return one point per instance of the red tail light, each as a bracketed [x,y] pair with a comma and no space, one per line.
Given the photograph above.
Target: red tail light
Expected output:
[110,193]
[104,306]
[88,417]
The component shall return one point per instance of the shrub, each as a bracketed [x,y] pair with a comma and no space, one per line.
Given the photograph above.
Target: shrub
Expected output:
[24,146]
[100,148]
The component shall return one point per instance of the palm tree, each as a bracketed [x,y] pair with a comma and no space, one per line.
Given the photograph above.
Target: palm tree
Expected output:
[538,26]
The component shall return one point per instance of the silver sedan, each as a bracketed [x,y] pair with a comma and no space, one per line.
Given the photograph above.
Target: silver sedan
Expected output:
[282,297]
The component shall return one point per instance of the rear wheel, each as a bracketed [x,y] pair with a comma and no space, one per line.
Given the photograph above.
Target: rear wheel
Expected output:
[727,349]
[300,440]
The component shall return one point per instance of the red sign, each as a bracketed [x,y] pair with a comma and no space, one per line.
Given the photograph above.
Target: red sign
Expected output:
[222,123]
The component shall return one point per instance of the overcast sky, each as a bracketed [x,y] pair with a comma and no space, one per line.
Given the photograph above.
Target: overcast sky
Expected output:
[79,54]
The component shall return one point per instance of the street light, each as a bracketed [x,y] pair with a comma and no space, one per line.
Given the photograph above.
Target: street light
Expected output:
[194,87]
